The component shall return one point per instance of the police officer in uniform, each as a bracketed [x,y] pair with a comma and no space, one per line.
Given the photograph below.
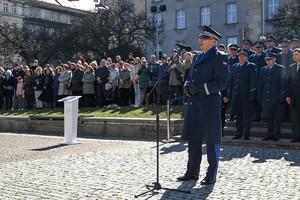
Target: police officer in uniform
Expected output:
[293,94]
[272,93]
[271,48]
[285,57]
[295,42]
[233,58]
[259,60]
[247,44]
[202,122]
[242,91]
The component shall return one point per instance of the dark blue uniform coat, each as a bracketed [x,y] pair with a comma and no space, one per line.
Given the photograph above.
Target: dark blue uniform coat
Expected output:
[202,120]
[272,89]
[274,50]
[259,61]
[285,59]
[293,87]
[241,86]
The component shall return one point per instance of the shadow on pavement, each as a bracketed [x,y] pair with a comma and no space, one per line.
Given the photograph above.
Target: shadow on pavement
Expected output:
[50,147]
[260,154]
[196,193]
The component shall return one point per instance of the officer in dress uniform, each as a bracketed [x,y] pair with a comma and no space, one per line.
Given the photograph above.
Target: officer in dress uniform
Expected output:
[242,91]
[295,42]
[259,60]
[202,122]
[271,93]
[285,57]
[247,44]
[233,58]
[293,94]
[271,48]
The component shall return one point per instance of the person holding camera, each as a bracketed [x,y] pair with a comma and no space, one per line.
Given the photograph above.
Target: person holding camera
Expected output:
[202,122]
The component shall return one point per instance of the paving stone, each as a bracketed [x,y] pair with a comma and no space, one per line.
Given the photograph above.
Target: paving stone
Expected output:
[32,167]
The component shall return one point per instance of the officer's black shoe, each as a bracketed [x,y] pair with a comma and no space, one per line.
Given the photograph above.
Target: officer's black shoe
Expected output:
[208,181]
[295,140]
[268,138]
[237,137]
[275,139]
[188,177]
[246,137]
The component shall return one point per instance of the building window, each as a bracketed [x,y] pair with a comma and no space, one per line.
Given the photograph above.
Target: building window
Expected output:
[5,7]
[159,15]
[58,17]
[273,6]
[31,12]
[69,20]
[52,16]
[180,14]
[232,40]
[14,9]
[205,16]
[231,13]
[37,13]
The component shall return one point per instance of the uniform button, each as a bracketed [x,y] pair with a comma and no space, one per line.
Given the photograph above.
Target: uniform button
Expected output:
[238,73]
[195,70]
[236,86]
[268,77]
[268,92]
[268,99]
[268,84]
[237,79]
[235,93]
[192,80]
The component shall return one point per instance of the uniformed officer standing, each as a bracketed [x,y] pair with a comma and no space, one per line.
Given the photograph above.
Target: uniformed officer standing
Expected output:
[293,94]
[271,93]
[202,121]
[271,48]
[242,91]
[247,44]
[296,42]
[285,57]
[259,60]
[233,58]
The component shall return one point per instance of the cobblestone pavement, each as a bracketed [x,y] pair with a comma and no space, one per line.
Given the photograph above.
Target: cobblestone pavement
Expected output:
[36,167]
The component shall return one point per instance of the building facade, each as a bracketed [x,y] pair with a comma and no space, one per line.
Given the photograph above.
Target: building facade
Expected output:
[235,20]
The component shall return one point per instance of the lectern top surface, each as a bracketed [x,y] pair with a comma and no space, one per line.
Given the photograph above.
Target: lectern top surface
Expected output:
[69,98]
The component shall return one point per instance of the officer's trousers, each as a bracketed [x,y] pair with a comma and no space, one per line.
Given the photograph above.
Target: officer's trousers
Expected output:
[274,127]
[195,157]
[295,119]
[243,124]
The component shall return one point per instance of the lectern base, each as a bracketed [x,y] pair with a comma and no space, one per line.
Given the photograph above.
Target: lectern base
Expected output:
[70,143]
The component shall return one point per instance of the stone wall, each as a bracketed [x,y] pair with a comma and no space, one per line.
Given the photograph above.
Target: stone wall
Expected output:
[92,126]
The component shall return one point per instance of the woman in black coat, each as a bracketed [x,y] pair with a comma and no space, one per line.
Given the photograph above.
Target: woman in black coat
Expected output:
[47,94]
[8,85]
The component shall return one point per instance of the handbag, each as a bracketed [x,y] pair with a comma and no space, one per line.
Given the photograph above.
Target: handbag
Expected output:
[68,86]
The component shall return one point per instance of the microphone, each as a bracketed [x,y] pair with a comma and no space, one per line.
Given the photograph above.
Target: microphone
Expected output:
[183,46]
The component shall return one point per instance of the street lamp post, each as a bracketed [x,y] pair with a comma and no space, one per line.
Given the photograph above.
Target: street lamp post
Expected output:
[156,11]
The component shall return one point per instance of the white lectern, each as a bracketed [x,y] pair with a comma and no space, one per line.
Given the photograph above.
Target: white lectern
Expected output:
[70,119]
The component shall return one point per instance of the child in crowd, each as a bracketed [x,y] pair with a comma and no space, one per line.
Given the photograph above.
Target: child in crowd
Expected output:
[109,96]
[20,94]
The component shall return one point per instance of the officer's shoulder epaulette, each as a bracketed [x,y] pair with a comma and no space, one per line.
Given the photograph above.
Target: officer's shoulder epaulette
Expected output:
[221,53]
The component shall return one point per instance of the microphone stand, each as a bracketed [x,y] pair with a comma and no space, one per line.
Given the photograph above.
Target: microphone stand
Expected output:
[156,185]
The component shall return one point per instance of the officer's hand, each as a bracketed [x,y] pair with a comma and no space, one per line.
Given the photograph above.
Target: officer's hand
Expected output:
[193,91]
[282,101]
[186,91]
[251,99]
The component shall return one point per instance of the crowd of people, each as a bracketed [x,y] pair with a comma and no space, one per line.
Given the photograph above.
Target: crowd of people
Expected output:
[253,89]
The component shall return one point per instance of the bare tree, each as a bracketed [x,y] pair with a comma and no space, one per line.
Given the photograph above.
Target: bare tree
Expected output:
[287,21]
